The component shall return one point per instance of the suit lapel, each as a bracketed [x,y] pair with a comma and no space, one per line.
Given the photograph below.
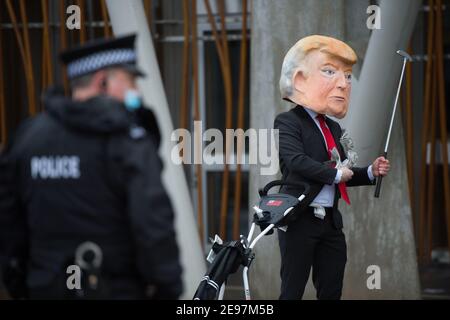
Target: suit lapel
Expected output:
[300,111]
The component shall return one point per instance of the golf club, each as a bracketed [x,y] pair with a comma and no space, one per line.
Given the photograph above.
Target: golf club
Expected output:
[406,58]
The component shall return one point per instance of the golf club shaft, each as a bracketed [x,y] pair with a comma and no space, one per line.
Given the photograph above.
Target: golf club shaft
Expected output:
[380,178]
[395,107]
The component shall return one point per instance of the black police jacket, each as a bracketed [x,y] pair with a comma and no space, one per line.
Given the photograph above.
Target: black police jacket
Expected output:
[87,171]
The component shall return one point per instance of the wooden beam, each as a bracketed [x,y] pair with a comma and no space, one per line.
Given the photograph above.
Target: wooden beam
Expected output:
[106,28]
[425,131]
[431,169]
[442,114]
[82,5]
[63,41]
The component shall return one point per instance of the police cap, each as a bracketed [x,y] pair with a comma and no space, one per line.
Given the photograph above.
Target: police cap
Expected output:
[101,54]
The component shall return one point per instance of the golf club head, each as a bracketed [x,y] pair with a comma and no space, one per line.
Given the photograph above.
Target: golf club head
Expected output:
[404,55]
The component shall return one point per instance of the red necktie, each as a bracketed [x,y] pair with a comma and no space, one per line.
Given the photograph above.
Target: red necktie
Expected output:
[331,144]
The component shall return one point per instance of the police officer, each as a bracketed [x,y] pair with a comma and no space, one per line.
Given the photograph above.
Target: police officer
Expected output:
[81,193]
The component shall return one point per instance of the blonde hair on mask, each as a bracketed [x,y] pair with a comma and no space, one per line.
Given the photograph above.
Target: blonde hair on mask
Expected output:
[296,58]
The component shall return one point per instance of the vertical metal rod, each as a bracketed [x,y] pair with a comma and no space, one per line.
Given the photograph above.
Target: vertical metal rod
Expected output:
[246,285]
[222,291]
[226,69]
[227,84]
[197,117]
[240,122]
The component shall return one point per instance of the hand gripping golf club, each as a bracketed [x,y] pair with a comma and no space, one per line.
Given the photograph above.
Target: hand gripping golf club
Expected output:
[406,58]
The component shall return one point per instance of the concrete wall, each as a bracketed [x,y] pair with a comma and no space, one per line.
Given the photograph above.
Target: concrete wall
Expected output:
[378,232]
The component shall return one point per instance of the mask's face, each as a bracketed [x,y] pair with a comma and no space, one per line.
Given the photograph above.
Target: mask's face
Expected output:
[119,82]
[325,87]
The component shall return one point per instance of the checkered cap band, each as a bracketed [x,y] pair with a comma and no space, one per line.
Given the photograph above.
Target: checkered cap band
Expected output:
[100,60]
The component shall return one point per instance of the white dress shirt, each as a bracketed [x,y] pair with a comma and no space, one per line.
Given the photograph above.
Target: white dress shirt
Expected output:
[325,197]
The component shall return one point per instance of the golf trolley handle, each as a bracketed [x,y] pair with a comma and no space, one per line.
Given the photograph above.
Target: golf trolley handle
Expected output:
[263,192]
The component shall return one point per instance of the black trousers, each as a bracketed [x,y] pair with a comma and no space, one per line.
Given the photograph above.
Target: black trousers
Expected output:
[312,242]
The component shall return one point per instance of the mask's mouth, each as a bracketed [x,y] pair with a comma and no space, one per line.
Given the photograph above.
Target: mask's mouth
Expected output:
[337,98]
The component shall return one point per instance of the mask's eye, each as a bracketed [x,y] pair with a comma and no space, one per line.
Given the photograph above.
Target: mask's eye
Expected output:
[348,77]
[328,72]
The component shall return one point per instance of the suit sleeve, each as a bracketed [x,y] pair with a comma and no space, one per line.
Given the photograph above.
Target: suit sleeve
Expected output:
[292,152]
[360,178]
[152,220]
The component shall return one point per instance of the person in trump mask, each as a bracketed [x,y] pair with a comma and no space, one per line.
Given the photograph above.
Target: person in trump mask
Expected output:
[316,77]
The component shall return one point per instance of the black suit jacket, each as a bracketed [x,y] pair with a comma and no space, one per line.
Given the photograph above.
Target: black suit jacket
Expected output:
[303,153]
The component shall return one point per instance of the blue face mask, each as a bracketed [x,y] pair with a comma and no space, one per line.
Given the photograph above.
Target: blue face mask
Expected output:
[132,100]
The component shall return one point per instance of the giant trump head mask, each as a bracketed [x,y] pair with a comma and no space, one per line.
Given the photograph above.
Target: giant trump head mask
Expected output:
[317,73]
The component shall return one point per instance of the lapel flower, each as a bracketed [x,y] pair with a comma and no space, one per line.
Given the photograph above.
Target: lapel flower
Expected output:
[347,145]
